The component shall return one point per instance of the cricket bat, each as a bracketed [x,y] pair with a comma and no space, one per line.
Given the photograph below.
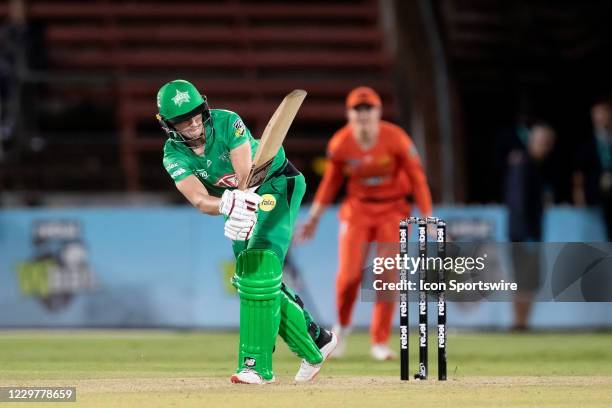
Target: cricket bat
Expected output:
[273,137]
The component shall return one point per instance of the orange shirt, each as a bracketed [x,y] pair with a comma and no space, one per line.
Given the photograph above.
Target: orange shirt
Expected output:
[379,178]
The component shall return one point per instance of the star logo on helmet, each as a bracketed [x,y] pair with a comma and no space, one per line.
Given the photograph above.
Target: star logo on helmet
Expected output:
[180,98]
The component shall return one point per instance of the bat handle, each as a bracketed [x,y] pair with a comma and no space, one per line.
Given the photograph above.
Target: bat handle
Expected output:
[244,182]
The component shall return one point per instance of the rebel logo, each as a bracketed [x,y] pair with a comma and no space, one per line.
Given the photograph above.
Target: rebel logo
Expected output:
[404,337]
[422,307]
[441,336]
[441,308]
[422,335]
[403,306]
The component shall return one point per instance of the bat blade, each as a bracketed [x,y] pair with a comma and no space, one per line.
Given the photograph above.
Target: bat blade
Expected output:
[273,136]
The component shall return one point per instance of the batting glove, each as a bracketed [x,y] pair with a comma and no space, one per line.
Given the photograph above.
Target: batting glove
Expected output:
[239,230]
[239,205]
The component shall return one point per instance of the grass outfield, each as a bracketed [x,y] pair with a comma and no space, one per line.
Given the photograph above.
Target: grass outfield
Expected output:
[150,368]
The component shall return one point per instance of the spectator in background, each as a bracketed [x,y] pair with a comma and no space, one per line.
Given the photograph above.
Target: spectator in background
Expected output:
[592,178]
[12,61]
[525,196]
[22,51]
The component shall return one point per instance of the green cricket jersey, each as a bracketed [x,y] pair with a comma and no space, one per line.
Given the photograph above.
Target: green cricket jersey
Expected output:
[214,169]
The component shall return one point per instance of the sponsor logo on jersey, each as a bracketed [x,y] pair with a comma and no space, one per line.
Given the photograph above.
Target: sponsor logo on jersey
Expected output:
[353,162]
[180,98]
[208,163]
[178,172]
[202,173]
[227,180]
[373,181]
[171,166]
[268,202]
[239,127]
[352,165]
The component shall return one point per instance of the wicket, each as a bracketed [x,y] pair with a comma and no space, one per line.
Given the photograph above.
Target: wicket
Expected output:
[404,298]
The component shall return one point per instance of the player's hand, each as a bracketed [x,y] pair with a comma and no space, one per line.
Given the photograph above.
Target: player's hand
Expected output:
[239,205]
[307,230]
[239,230]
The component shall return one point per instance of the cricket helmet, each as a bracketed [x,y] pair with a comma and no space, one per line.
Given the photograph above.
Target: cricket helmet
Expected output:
[177,101]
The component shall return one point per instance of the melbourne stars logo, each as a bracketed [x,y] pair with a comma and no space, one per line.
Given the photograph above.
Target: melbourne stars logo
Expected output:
[180,98]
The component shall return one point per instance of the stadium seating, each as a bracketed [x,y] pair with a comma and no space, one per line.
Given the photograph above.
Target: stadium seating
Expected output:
[245,55]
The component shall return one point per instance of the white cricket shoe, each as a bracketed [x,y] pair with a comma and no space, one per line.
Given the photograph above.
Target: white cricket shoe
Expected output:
[307,371]
[382,352]
[342,332]
[248,376]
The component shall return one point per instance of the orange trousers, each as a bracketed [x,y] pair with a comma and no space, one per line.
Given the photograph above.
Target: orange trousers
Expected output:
[355,242]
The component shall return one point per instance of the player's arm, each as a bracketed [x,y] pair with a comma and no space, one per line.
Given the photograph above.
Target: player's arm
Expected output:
[242,163]
[233,203]
[238,206]
[411,164]
[189,185]
[328,189]
[198,196]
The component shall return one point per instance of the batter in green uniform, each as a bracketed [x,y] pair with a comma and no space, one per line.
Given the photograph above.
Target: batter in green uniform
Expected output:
[209,154]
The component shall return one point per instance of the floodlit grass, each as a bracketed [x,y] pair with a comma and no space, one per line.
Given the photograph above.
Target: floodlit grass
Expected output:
[153,368]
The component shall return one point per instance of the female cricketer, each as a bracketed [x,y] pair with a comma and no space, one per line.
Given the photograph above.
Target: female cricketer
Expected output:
[207,154]
[384,177]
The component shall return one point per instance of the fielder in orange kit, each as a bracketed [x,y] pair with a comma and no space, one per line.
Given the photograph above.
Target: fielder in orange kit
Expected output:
[384,176]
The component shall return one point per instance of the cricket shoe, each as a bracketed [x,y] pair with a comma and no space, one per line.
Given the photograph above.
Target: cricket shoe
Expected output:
[342,332]
[382,352]
[327,343]
[248,376]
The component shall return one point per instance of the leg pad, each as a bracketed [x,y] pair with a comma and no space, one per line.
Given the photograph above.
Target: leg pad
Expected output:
[258,281]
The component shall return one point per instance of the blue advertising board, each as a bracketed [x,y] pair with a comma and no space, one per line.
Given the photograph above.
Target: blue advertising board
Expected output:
[171,267]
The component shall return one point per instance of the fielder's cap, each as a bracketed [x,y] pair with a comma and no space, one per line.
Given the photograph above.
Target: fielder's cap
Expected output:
[362,95]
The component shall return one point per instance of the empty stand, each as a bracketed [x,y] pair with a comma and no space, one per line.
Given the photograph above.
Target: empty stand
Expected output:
[245,55]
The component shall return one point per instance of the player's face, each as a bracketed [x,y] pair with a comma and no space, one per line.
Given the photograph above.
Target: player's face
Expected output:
[600,115]
[365,120]
[541,142]
[191,129]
